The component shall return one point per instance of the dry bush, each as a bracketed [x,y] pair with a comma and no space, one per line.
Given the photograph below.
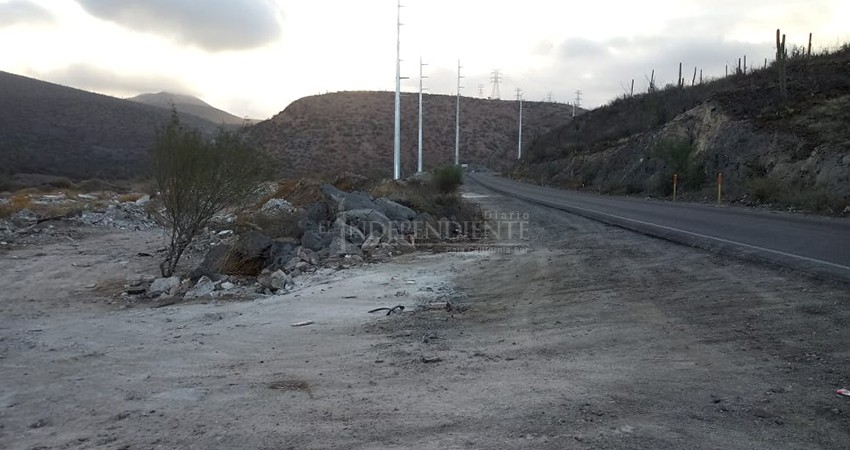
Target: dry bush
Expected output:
[132,197]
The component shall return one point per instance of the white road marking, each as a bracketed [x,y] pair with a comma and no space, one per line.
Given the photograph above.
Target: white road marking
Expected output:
[704,236]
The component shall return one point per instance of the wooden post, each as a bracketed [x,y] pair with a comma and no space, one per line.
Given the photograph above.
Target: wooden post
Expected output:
[739,67]
[765,63]
[694,79]
[727,70]
[745,64]
[675,183]
[700,76]
[652,81]
[632,90]
[719,187]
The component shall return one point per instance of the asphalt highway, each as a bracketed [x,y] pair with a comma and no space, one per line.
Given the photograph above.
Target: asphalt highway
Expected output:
[817,245]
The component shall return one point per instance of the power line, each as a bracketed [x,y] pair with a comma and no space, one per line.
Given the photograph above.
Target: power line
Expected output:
[397,136]
[421,77]
[519,137]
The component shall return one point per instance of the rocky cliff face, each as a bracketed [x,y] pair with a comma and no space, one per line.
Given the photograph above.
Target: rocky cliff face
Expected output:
[792,152]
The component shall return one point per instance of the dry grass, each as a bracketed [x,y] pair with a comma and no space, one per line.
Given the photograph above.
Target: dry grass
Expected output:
[130,197]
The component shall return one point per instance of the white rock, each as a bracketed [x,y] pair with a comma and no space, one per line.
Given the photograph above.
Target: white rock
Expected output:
[279,280]
[143,199]
[277,206]
[203,288]
[164,285]
[227,286]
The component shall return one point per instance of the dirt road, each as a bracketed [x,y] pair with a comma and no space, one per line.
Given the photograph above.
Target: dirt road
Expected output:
[594,338]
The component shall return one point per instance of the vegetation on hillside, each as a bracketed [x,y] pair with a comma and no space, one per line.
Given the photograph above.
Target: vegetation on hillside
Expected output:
[741,125]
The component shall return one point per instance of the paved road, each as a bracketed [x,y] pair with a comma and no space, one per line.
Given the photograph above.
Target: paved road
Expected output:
[814,244]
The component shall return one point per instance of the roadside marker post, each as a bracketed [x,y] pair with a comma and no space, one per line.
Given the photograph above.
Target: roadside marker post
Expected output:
[675,182]
[719,187]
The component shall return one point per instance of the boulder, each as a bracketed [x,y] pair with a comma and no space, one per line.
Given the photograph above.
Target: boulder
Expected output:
[369,221]
[164,286]
[213,263]
[334,194]
[321,213]
[308,256]
[280,280]
[395,211]
[203,288]
[274,281]
[371,243]
[357,200]
[279,253]
[347,201]
[340,247]
[348,232]
[253,245]
[316,240]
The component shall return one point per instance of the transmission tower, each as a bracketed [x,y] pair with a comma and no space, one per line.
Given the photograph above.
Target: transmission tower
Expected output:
[549,97]
[457,117]
[496,79]
[577,102]
[481,90]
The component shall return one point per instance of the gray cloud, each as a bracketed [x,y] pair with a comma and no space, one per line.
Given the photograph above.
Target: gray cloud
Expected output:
[602,69]
[213,25]
[21,11]
[96,79]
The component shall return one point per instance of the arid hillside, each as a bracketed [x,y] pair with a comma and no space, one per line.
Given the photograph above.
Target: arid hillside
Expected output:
[49,129]
[187,104]
[353,131]
[787,151]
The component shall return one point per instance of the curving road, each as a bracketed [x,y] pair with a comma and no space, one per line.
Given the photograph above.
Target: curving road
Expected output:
[814,244]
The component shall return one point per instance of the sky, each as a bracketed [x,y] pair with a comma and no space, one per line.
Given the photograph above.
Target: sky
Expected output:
[254,57]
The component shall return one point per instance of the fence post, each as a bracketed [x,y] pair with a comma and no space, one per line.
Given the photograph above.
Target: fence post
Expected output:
[675,183]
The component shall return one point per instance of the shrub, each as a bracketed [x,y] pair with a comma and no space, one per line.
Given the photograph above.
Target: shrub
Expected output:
[197,179]
[448,178]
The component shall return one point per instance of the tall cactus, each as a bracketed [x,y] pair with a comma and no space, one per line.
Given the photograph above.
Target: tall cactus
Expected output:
[781,62]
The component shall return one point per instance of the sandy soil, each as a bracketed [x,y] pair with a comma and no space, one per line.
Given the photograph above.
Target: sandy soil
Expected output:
[594,338]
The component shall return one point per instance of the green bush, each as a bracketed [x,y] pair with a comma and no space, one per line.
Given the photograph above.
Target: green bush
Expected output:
[447,179]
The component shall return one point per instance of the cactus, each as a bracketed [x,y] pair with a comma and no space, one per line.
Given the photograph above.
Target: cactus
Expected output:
[781,62]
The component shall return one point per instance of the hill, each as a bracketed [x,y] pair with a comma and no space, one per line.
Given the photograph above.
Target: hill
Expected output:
[353,131]
[789,152]
[190,105]
[50,129]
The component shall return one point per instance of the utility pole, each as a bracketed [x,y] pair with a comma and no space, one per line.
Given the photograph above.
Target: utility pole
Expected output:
[421,64]
[519,138]
[496,78]
[397,140]
[577,103]
[457,117]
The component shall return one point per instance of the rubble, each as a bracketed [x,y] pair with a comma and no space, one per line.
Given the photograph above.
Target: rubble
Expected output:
[164,286]
[203,288]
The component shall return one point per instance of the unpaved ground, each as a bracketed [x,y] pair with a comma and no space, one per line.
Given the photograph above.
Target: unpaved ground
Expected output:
[595,338]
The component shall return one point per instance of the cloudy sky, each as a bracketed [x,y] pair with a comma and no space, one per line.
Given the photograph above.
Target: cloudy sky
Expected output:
[254,57]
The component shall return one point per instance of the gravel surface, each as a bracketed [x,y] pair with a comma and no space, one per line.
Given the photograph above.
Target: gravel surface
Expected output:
[594,338]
